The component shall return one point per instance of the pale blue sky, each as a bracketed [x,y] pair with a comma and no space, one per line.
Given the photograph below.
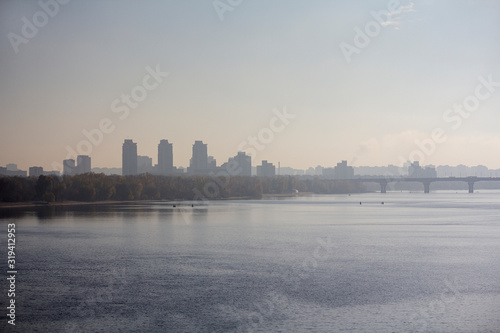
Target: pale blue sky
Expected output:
[226,77]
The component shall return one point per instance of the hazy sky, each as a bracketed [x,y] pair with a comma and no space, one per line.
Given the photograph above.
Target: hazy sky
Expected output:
[227,76]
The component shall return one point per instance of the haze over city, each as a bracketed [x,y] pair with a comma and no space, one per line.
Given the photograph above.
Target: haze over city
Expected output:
[362,97]
[250,165]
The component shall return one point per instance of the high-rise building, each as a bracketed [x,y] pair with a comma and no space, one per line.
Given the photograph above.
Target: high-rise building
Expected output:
[129,158]
[343,171]
[266,169]
[35,171]
[69,168]
[165,158]
[199,161]
[83,164]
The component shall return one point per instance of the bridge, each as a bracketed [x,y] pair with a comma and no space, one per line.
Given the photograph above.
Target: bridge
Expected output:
[426,181]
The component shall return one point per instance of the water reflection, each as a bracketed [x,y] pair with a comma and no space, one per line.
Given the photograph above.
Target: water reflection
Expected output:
[187,212]
[44,213]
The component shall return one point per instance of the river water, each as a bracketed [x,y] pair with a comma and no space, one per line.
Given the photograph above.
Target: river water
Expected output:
[395,262]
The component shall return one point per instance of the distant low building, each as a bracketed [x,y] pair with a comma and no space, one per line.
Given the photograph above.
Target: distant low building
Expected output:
[38,171]
[52,173]
[416,171]
[287,171]
[239,165]
[12,167]
[245,163]
[343,171]
[11,170]
[266,169]
[35,171]
[108,171]
[211,163]
[72,168]
[328,173]
[144,164]
[383,171]
[17,173]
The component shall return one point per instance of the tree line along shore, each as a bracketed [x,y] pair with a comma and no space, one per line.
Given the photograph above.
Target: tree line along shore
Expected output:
[92,187]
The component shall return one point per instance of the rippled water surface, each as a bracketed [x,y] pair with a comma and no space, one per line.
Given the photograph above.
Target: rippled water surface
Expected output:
[394,263]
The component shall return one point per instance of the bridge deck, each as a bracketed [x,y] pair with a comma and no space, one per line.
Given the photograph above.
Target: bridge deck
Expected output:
[426,181]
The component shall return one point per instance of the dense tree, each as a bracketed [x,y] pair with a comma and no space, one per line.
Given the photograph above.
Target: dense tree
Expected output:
[14,189]
[43,185]
[92,187]
[123,192]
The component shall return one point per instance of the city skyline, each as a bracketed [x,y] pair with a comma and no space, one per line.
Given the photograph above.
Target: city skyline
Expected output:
[31,164]
[201,163]
[338,69]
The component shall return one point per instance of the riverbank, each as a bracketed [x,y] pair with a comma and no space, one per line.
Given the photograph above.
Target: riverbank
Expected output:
[31,204]
[8,205]
[62,203]
[287,195]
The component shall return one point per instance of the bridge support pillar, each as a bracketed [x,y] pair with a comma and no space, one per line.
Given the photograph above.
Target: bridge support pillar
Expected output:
[383,187]
[471,187]
[427,187]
